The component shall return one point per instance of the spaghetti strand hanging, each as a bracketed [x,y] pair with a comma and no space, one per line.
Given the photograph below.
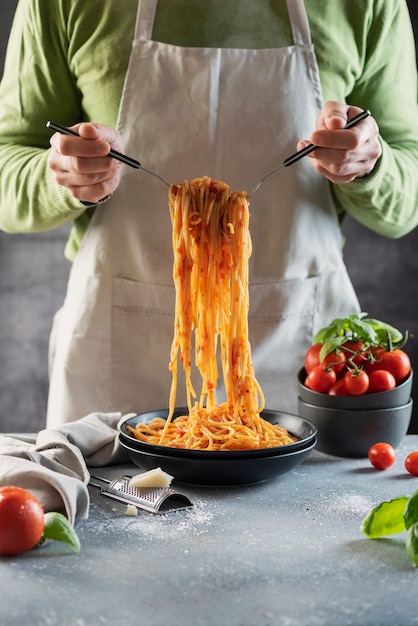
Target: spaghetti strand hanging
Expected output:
[212,248]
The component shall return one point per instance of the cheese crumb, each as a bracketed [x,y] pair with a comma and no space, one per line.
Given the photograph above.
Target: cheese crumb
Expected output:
[153,478]
[131,510]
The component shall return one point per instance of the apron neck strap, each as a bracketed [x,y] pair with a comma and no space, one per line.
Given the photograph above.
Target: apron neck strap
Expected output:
[296,8]
[145,19]
[299,23]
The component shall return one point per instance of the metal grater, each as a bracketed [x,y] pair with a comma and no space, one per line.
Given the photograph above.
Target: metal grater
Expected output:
[152,499]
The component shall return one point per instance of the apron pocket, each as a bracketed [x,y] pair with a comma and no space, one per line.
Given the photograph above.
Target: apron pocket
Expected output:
[283,318]
[281,321]
[79,353]
[142,332]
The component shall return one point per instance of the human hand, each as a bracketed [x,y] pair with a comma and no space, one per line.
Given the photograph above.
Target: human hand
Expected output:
[80,163]
[344,154]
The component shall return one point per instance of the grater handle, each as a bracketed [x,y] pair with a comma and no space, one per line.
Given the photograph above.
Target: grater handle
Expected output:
[103,480]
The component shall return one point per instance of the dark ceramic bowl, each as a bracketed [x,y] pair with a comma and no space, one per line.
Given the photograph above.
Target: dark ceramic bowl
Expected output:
[215,472]
[297,426]
[200,467]
[384,400]
[351,432]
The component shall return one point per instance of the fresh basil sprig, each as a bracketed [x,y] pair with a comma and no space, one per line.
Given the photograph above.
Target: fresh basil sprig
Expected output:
[392,517]
[359,327]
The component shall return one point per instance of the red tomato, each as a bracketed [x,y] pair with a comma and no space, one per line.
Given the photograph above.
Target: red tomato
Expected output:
[354,350]
[335,359]
[338,389]
[411,463]
[397,362]
[21,520]
[381,380]
[321,379]
[356,382]
[312,357]
[382,455]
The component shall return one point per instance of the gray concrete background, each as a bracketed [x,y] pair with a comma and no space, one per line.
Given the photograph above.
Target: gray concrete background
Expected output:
[33,275]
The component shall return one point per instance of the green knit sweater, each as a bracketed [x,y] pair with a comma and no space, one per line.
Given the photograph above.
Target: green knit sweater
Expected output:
[67,61]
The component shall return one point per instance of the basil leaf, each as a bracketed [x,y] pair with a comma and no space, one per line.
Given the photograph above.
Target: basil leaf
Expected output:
[393,332]
[411,543]
[359,327]
[411,510]
[331,345]
[58,528]
[385,519]
[364,331]
[332,330]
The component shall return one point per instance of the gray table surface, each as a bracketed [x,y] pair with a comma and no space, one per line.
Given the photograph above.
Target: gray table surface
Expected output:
[287,552]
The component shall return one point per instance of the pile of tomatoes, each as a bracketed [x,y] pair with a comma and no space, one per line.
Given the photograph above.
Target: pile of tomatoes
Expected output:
[354,369]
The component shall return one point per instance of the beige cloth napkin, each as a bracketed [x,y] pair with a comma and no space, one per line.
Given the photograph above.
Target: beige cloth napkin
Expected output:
[53,465]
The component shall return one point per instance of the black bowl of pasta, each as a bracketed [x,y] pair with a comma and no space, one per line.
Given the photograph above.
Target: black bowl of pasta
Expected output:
[224,467]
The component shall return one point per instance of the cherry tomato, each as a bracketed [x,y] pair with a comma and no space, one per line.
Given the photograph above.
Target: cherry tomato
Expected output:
[338,389]
[335,359]
[321,379]
[397,362]
[381,380]
[356,382]
[21,520]
[411,463]
[381,455]
[312,357]
[354,351]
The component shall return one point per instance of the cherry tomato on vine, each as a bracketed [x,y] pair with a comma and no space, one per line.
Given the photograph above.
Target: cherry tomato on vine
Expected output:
[354,351]
[397,362]
[382,455]
[374,355]
[381,380]
[335,359]
[411,463]
[321,379]
[356,382]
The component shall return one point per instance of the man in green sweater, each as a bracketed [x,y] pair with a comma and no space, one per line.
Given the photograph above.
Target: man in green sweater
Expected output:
[224,89]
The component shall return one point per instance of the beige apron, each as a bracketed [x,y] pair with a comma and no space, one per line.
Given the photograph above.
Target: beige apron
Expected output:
[230,114]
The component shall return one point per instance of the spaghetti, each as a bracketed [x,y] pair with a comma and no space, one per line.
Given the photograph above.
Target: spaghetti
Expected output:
[212,247]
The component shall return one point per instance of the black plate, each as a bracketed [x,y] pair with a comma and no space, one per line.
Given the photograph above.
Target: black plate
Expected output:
[216,472]
[301,428]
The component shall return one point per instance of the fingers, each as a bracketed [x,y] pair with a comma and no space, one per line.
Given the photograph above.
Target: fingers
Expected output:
[345,154]
[80,163]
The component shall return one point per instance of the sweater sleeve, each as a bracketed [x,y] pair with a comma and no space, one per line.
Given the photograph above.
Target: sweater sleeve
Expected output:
[386,201]
[34,89]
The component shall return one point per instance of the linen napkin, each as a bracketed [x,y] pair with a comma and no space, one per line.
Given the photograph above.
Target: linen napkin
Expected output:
[53,464]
